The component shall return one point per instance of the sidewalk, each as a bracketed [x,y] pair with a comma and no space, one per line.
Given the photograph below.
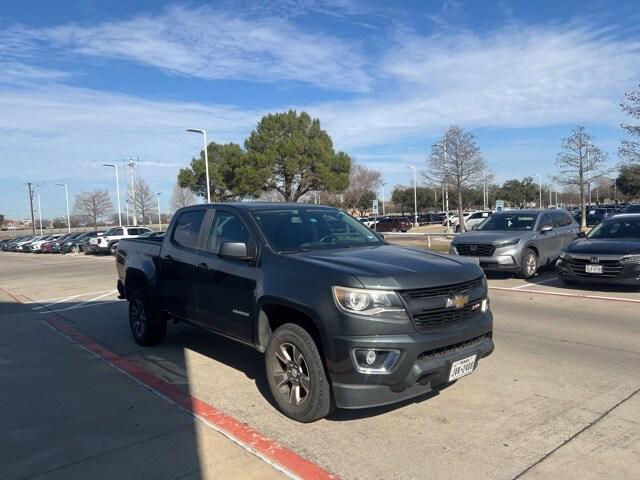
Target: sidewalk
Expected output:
[67,414]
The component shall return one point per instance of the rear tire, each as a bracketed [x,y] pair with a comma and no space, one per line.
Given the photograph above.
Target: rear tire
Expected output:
[147,327]
[529,264]
[296,375]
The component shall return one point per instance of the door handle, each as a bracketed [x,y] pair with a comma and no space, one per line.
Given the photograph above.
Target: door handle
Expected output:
[168,258]
[202,266]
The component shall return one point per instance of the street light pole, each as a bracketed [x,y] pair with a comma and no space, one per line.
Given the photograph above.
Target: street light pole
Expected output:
[159,218]
[415,197]
[540,189]
[206,158]
[115,166]
[66,196]
[39,212]
[133,192]
[383,199]
[126,206]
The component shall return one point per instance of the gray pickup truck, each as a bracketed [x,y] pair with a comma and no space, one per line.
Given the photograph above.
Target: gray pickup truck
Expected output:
[344,319]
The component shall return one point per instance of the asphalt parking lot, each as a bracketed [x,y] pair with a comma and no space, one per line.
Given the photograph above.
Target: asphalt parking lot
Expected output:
[559,398]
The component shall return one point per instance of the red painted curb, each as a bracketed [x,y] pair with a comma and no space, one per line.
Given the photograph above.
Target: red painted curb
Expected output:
[267,449]
[264,447]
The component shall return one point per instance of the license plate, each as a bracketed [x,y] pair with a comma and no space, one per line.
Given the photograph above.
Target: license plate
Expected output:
[462,367]
[593,268]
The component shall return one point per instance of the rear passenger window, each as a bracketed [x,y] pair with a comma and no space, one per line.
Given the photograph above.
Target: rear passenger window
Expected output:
[187,228]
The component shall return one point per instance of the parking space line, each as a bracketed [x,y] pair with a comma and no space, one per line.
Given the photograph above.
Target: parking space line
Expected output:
[542,282]
[563,294]
[80,305]
[63,299]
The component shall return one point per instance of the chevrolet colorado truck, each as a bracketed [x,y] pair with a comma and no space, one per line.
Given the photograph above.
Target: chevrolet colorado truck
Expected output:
[344,319]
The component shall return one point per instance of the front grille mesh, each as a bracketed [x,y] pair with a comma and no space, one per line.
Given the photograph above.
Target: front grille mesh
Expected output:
[610,268]
[475,249]
[438,291]
[445,316]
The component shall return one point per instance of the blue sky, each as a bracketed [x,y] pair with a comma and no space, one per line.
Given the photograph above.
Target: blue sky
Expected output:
[89,82]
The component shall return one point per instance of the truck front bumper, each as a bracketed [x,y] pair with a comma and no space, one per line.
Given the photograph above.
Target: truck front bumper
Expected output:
[424,364]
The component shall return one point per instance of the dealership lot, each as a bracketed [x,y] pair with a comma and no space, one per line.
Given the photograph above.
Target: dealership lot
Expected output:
[559,397]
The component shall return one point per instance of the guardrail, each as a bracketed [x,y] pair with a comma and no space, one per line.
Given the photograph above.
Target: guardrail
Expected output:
[421,234]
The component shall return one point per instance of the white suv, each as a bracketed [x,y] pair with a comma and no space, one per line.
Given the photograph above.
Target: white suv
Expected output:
[108,242]
[470,219]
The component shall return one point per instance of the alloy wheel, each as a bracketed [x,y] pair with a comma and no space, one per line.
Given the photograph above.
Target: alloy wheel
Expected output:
[138,317]
[291,374]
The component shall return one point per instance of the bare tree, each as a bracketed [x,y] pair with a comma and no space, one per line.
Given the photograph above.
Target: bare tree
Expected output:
[144,201]
[182,197]
[456,161]
[94,205]
[630,149]
[580,162]
[362,180]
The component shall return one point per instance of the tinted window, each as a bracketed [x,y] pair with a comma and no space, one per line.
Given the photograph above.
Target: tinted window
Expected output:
[559,219]
[545,221]
[632,209]
[509,222]
[312,228]
[187,228]
[617,228]
[227,227]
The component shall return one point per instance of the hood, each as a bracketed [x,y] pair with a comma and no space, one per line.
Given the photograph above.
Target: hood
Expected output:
[603,246]
[489,236]
[394,267]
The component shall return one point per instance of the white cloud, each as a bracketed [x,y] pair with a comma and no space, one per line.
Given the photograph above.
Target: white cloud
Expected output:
[211,44]
[519,76]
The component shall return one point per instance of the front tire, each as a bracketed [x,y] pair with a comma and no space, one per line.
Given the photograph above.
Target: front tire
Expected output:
[529,264]
[147,327]
[113,248]
[296,375]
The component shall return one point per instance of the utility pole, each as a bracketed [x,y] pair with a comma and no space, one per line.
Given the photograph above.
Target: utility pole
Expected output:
[39,212]
[383,199]
[33,221]
[159,218]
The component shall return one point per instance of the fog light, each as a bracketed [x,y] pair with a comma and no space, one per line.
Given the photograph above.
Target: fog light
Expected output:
[371,357]
[375,360]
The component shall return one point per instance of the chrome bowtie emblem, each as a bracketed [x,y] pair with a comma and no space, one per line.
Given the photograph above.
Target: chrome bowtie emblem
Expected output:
[457,301]
[595,260]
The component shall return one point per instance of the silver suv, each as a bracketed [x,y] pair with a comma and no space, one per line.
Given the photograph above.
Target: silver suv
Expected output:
[517,240]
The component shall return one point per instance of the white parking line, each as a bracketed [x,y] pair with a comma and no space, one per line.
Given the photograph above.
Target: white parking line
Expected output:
[562,294]
[531,284]
[62,299]
[80,305]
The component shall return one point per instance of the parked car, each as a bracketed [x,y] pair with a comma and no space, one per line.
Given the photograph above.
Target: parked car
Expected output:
[56,245]
[344,318]
[36,246]
[610,253]
[108,242]
[82,243]
[470,219]
[392,224]
[519,241]
[25,245]
[633,208]
[430,218]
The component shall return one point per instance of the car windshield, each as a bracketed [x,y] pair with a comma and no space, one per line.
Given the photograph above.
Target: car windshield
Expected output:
[293,230]
[509,222]
[617,228]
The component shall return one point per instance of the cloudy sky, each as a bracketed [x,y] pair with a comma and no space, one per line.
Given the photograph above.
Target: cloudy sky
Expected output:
[88,82]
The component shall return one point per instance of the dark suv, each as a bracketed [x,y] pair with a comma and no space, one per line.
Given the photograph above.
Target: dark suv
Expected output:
[392,224]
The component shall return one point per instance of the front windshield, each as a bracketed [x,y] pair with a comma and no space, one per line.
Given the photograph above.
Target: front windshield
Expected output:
[292,230]
[617,228]
[520,222]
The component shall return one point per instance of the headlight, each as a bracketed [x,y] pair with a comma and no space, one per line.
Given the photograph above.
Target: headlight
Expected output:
[630,259]
[508,243]
[372,303]
[564,255]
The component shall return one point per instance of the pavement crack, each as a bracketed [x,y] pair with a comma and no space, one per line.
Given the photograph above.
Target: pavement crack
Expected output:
[575,435]
[105,452]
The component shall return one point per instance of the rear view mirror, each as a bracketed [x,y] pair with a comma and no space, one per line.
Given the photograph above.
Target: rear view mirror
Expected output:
[234,250]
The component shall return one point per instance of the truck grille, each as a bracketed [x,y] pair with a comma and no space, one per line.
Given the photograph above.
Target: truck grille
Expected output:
[438,291]
[445,316]
[610,268]
[475,249]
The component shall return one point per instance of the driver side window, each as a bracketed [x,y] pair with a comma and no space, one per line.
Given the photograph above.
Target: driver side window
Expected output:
[545,221]
[226,227]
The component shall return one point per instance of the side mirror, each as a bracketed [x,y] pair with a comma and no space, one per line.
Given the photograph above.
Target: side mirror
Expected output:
[234,251]
[582,235]
[546,228]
